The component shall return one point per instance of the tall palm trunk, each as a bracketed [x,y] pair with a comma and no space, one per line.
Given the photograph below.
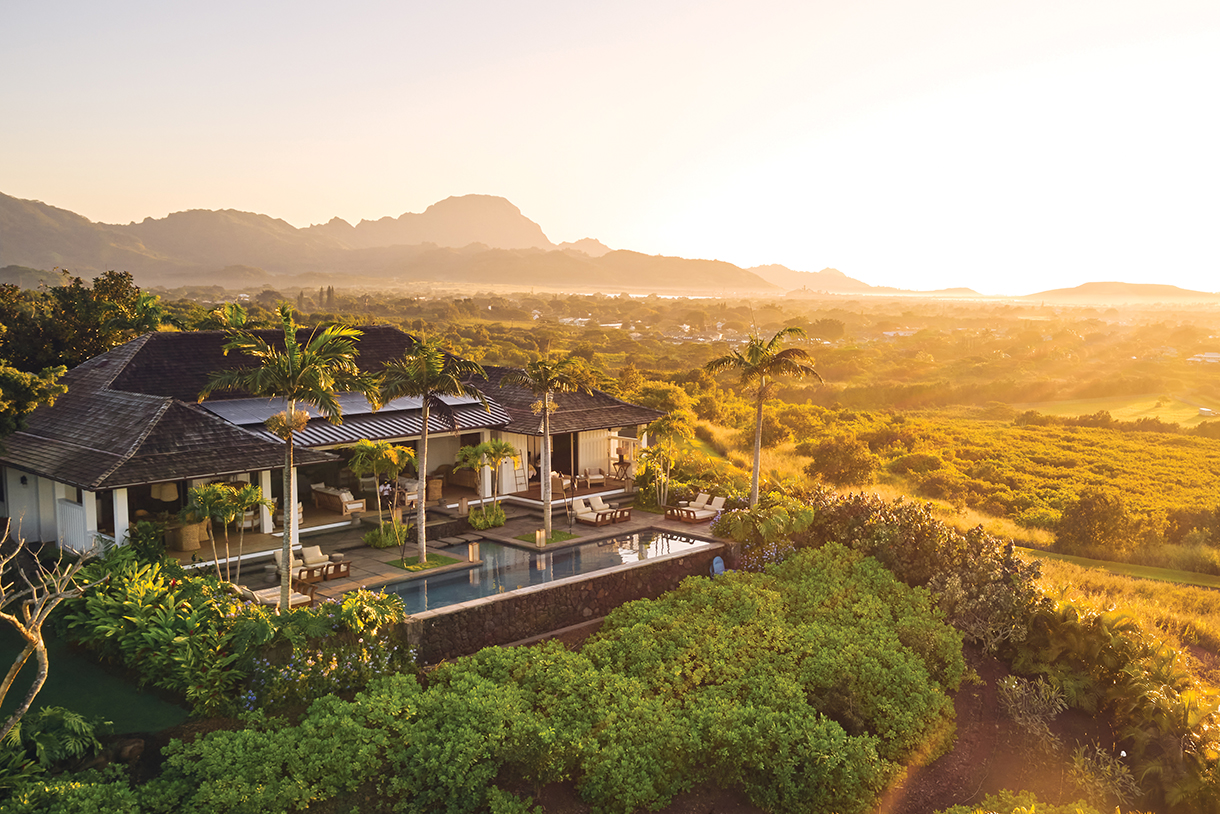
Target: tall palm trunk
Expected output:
[215,548]
[241,539]
[546,465]
[228,559]
[757,450]
[422,510]
[495,484]
[290,515]
[377,493]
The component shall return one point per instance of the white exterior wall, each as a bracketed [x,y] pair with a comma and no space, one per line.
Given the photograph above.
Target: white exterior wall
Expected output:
[121,520]
[593,451]
[485,471]
[265,522]
[48,492]
[72,525]
[442,449]
[23,504]
[508,480]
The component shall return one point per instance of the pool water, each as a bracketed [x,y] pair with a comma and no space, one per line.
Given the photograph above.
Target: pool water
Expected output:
[507,568]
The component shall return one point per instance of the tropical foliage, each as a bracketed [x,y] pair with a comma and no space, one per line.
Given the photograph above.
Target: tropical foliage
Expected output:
[760,363]
[313,372]
[545,379]
[381,458]
[428,372]
[193,636]
[806,686]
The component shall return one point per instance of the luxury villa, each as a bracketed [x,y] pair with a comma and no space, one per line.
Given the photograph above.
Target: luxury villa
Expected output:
[130,438]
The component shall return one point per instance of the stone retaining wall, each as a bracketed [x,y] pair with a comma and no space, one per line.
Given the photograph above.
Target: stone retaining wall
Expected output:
[496,620]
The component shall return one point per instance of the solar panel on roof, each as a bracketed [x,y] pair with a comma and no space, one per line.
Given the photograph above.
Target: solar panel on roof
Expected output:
[248,412]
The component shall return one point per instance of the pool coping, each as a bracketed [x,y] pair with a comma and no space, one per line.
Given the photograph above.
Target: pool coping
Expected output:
[517,592]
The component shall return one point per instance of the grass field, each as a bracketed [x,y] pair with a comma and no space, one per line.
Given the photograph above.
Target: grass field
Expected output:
[1184,614]
[1130,570]
[1130,408]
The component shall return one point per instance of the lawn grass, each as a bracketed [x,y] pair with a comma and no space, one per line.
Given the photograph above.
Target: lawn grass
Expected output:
[1127,408]
[556,537]
[1185,614]
[434,561]
[1129,570]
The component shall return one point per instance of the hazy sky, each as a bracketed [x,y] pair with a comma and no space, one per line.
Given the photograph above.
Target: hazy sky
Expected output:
[1006,146]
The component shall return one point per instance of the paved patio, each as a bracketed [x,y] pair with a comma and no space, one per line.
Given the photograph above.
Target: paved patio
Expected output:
[371,568]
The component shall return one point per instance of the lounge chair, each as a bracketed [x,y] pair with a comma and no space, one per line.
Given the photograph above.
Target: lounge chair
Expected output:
[616,515]
[586,515]
[312,556]
[718,569]
[301,596]
[296,565]
[700,502]
[315,565]
[703,515]
[248,520]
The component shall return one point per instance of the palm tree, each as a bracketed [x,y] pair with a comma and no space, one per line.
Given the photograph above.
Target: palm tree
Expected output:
[760,362]
[544,379]
[211,502]
[428,373]
[472,458]
[299,373]
[498,452]
[660,457]
[244,497]
[379,458]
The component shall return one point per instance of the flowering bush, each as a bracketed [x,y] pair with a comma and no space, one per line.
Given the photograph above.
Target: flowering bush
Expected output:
[334,664]
[191,635]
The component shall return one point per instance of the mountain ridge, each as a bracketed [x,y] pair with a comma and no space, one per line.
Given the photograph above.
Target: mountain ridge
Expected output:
[1114,292]
[472,239]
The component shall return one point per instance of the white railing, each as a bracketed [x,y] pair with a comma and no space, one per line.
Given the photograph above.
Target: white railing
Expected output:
[70,523]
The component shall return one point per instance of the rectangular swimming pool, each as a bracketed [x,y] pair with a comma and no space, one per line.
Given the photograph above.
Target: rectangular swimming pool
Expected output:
[506,568]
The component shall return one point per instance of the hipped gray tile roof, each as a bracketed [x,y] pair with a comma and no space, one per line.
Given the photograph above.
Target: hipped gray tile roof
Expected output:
[130,415]
[96,438]
[575,412]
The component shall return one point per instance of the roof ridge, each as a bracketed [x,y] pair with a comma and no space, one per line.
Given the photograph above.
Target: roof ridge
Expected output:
[167,402]
[123,354]
[62,441]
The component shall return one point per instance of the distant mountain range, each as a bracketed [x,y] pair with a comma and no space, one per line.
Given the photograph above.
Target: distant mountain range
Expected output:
[1120,293]
[471,240]
[467,240]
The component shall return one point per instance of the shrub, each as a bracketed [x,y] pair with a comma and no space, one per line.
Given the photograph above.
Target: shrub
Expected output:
[843,461]
[1102,776]
[1020,802]
[986,590]
[1097,518]
[190,635]
[54,735]
[487,517]
[388,536]
[918,462]
[1033,705]
[269,767]
[81,793]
